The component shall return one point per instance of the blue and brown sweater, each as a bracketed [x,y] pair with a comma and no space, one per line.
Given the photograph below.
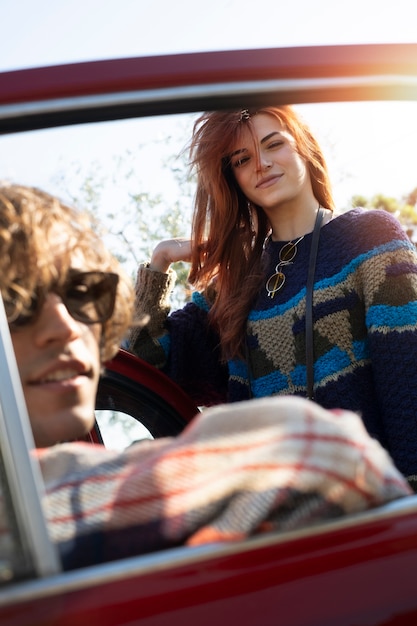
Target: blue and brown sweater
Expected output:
[365,331]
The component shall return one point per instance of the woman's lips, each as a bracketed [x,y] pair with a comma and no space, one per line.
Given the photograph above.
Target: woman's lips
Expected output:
[268,181]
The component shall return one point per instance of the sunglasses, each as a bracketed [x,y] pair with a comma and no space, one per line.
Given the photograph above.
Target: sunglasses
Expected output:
[286,256]
[89,297]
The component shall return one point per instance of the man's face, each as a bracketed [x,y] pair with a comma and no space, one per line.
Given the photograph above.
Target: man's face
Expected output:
[59,364]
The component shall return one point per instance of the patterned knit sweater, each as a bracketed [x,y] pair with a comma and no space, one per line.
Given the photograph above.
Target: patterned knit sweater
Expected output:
[365,332]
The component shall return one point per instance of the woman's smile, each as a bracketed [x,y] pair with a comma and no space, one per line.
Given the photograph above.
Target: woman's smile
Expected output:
[268,181]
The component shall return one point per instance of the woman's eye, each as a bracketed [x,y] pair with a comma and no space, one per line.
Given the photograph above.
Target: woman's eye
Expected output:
[275,144]
[241,161]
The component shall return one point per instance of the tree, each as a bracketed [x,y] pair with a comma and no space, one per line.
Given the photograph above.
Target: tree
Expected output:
[385,203]
[404,209]
[411,199]
[359,201]
[135,221]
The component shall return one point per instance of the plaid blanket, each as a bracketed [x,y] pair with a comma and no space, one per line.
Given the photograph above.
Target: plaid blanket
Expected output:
[236,470]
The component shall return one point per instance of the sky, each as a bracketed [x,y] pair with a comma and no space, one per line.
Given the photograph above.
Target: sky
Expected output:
[365,156]
[38,32]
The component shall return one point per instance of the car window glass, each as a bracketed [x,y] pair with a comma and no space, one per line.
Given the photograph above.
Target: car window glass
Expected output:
[134,175]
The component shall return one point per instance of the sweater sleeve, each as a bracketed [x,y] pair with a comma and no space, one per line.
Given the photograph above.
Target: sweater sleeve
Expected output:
[152,306]
[389,279]
[181,344]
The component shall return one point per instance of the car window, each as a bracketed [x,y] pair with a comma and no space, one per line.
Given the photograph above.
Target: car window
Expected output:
[134,175]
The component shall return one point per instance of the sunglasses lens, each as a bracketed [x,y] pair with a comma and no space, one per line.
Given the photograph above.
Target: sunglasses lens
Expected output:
[288,252]
[23,319]
[90,296]
[275,283]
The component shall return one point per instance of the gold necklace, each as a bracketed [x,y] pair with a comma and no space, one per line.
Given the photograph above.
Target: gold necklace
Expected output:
[286,256]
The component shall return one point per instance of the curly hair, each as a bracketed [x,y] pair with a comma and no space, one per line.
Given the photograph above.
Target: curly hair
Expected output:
[30,220]
[228,231]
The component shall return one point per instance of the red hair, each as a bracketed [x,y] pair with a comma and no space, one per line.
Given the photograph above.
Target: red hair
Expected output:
[228,231]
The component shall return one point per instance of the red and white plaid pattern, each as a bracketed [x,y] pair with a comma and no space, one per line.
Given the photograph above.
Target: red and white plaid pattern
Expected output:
[236,470]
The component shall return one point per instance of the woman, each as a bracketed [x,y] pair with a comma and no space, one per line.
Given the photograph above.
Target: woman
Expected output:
[263,196]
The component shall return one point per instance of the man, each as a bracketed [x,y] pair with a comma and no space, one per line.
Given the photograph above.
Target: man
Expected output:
[235,471]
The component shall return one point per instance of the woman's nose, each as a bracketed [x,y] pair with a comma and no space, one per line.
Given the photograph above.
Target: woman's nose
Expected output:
[264,161]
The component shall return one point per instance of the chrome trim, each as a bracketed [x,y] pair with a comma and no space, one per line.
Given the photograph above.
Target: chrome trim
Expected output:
[222,91]
[23,472]
[177,557]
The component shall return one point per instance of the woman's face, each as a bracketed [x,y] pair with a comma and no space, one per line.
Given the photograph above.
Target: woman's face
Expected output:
[270,172]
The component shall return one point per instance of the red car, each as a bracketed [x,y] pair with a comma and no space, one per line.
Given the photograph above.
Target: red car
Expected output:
[358,570]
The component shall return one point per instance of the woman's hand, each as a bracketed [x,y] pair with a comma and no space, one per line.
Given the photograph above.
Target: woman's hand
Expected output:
[170,251]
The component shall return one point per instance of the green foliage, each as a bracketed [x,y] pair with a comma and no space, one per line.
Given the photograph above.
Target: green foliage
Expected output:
[404,209]
[359,201]
[411,199]
[385,203]
[134,219]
